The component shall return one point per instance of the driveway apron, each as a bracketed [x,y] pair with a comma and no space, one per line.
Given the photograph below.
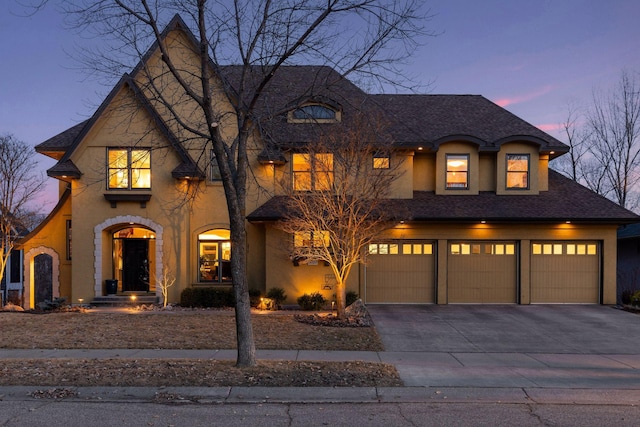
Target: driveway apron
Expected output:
[572,346]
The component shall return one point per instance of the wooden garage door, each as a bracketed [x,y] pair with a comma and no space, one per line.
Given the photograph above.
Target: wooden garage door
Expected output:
[482,273]
[400,272]
[565,272]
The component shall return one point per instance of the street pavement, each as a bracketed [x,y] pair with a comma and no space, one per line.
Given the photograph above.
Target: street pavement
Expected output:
[526,359]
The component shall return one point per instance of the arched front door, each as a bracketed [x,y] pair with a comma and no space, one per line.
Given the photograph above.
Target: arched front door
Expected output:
[43,278]
[132,260]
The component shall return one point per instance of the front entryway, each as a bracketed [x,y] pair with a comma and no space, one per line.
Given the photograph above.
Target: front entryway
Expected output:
[132,258]
[135,266]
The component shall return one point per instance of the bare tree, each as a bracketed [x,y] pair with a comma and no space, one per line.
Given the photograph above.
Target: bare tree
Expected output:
[20,184]
[337,207]
[604,143]
[365,37]
[613,123]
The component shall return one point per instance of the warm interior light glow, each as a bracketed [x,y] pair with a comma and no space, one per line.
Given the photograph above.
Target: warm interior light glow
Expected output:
[456,163]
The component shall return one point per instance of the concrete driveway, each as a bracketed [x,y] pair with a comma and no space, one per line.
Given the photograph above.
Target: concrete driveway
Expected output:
[561,346]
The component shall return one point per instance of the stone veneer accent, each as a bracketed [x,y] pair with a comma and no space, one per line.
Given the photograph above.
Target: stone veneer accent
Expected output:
[28,267]
[98,231]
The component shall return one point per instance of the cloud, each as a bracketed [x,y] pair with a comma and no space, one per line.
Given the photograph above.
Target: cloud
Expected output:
[549,127]
[503,102]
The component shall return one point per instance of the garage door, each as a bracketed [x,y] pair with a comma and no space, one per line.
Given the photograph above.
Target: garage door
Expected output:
[482,273]
[565,272]
[400,272]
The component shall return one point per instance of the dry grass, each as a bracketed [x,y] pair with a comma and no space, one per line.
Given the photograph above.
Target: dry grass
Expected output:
[204,329]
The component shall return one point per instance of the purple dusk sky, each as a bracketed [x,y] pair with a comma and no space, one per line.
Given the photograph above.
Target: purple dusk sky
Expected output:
[532,57]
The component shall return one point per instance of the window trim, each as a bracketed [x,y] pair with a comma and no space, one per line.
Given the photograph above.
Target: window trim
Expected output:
[452,156]
[129,168]
[527,172]
[220,262]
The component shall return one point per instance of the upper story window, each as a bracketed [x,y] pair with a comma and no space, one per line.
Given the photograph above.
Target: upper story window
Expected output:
[457,171]
[129,168]
[314,113]
[518,171]
[312,171]
[381,161]
[214,170]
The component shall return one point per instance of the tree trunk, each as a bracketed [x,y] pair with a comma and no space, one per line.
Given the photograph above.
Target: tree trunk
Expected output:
[244,327]
[341,300]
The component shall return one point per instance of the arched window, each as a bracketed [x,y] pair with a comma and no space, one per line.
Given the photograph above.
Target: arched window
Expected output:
[315,113]
[214,256]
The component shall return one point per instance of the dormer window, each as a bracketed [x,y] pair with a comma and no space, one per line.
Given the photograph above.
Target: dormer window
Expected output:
[518,171]
[314,113]
[457,171]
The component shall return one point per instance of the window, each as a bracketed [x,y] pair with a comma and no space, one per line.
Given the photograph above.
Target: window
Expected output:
[518,171]
[314,113]
[69,240]
[15,265]
[214,172]
[381,161]
[312,172]
[214,256]
[129,168]
[311,239]
[457,171]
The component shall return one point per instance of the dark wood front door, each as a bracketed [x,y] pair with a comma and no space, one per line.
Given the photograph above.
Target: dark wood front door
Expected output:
[135,265]
[43,278]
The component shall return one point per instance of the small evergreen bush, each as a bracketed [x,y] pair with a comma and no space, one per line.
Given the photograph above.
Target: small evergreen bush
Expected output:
[254,297]
[278,296]
[350,298]
[315,301]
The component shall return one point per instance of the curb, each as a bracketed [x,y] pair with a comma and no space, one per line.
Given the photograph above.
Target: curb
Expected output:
[293,395]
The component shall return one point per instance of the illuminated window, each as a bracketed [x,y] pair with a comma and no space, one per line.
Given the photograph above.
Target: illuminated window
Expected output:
[312,172]
[518,171]
[311,239]
[129,168]
[214,256]
[381,161]
[457,171]
[317,113]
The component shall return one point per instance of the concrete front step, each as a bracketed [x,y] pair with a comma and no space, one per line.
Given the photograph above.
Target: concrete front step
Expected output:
[125,300]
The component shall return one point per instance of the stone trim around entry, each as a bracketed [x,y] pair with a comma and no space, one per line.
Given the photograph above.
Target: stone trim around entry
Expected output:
[98,231]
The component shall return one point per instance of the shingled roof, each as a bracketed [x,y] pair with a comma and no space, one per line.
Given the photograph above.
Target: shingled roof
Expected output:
[566,200]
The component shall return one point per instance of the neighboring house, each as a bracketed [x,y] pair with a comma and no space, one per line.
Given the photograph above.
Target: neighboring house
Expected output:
[628,259]
[11,284]
[487,221]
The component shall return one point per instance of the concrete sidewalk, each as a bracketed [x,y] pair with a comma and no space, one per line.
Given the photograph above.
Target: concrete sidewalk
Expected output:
[532,354]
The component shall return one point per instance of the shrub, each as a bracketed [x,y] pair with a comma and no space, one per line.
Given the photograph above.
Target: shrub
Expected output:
[56,304]
[207,297]
[625,296]
[278,296]
[635,298]
[351,297]
[254,297]
[315,301]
